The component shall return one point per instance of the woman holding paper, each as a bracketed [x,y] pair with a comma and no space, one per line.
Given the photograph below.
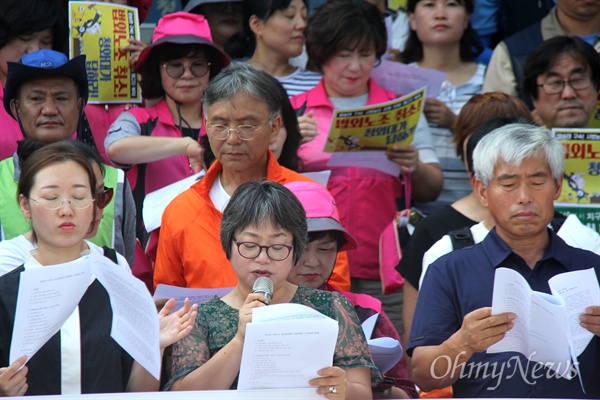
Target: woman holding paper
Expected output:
[263,233]
[344,40]
[441,38]
[326,237]
[56,195]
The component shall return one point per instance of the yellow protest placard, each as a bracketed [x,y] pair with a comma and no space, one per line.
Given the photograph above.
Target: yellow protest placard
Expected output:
[100,30]
[581,179]
[377,127]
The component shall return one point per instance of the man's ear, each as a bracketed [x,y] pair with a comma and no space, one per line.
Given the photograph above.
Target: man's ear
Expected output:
[275,128]
[14,108]
[25,209]
[481,191]
[80,103]
[559,185]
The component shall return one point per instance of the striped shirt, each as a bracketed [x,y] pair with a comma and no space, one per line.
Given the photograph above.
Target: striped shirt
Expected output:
[299,81]
[456,179]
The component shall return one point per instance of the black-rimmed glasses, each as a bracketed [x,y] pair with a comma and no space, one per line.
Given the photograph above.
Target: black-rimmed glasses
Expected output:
[251,250]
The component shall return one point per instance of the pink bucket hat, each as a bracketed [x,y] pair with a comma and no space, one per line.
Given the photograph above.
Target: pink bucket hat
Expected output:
[321,211]
[181,28]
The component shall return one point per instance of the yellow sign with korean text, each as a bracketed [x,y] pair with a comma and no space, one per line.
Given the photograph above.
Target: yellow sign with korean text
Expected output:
[581,183]
[377,127]
[100,30]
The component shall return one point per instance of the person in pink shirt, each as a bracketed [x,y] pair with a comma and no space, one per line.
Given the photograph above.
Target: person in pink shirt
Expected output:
[344,40]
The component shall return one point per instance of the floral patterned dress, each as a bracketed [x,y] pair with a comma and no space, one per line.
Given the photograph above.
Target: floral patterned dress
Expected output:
[217,324]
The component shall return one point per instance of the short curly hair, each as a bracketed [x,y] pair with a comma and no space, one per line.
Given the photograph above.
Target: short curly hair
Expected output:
[344,24]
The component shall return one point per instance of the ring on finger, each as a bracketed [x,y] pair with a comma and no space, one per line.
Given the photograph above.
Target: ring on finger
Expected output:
[332,389]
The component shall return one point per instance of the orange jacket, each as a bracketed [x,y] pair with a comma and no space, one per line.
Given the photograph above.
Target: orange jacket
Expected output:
[189,246]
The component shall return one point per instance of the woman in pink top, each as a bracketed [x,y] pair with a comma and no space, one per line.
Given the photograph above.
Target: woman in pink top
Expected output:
[344,40]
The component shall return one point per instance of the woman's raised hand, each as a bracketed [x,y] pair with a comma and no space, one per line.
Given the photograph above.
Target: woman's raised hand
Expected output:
[437,112]
[308,127]
[245,315]
[136,46]
[13,382]
[175,326]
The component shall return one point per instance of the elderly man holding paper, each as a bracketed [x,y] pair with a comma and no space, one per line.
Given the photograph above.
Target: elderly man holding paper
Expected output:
[519,171]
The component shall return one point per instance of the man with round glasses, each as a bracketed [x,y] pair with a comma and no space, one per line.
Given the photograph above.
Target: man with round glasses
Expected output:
[242,120]
[45,93]
[562,77]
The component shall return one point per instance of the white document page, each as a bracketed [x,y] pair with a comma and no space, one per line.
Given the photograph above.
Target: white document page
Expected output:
[47,297]
[284,347]
[579,290]
[156,202]
[402,79]
[195,295]
[512,293]
[135,323]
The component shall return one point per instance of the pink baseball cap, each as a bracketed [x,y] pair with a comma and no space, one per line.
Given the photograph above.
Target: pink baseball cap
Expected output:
[181,28]
[321,211]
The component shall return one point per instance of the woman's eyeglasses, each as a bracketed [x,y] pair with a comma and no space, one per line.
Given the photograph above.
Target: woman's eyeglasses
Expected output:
[56,203]
[176,69]
[251,250]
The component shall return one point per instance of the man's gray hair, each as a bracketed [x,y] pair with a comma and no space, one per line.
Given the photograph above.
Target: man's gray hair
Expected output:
[241,78]
[512,144]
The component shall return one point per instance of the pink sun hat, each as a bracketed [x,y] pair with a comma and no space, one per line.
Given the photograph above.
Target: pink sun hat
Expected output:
[181,28]
[321,211]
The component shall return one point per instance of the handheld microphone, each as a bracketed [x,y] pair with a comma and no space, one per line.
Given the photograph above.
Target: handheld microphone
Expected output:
[264,286]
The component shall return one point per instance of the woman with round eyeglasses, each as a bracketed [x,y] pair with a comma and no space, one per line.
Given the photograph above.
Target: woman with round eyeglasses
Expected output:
[176,68]
[56,193]
[14,252]
[263,234]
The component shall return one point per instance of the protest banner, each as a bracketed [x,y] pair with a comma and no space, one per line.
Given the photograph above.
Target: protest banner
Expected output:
[581,186]
[377,127]
[100,30]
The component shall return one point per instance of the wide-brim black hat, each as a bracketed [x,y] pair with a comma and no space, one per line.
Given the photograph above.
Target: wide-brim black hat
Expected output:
[44,64]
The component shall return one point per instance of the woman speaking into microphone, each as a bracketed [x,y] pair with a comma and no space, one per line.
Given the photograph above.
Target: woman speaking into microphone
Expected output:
[263,234]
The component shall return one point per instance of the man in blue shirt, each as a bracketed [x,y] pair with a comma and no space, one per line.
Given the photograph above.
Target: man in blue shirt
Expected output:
[519,171]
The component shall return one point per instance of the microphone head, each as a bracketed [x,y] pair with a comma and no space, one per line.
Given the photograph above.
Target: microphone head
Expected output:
[264,285]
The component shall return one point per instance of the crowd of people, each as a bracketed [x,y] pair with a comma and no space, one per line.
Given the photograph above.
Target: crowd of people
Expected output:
[246,90]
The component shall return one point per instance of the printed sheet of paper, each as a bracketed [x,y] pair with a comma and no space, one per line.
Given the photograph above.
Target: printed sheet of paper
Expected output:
[135,324]
[100,30]
[196,296]
[285,345]
[156,202]
[540,330]
[579,290]
[402,78]
[47,297]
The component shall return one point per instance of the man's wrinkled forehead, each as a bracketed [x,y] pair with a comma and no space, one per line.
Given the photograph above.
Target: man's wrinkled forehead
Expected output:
[55,84]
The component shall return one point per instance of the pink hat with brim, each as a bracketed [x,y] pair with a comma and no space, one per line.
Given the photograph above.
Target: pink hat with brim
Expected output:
[321,211]
[181,28]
